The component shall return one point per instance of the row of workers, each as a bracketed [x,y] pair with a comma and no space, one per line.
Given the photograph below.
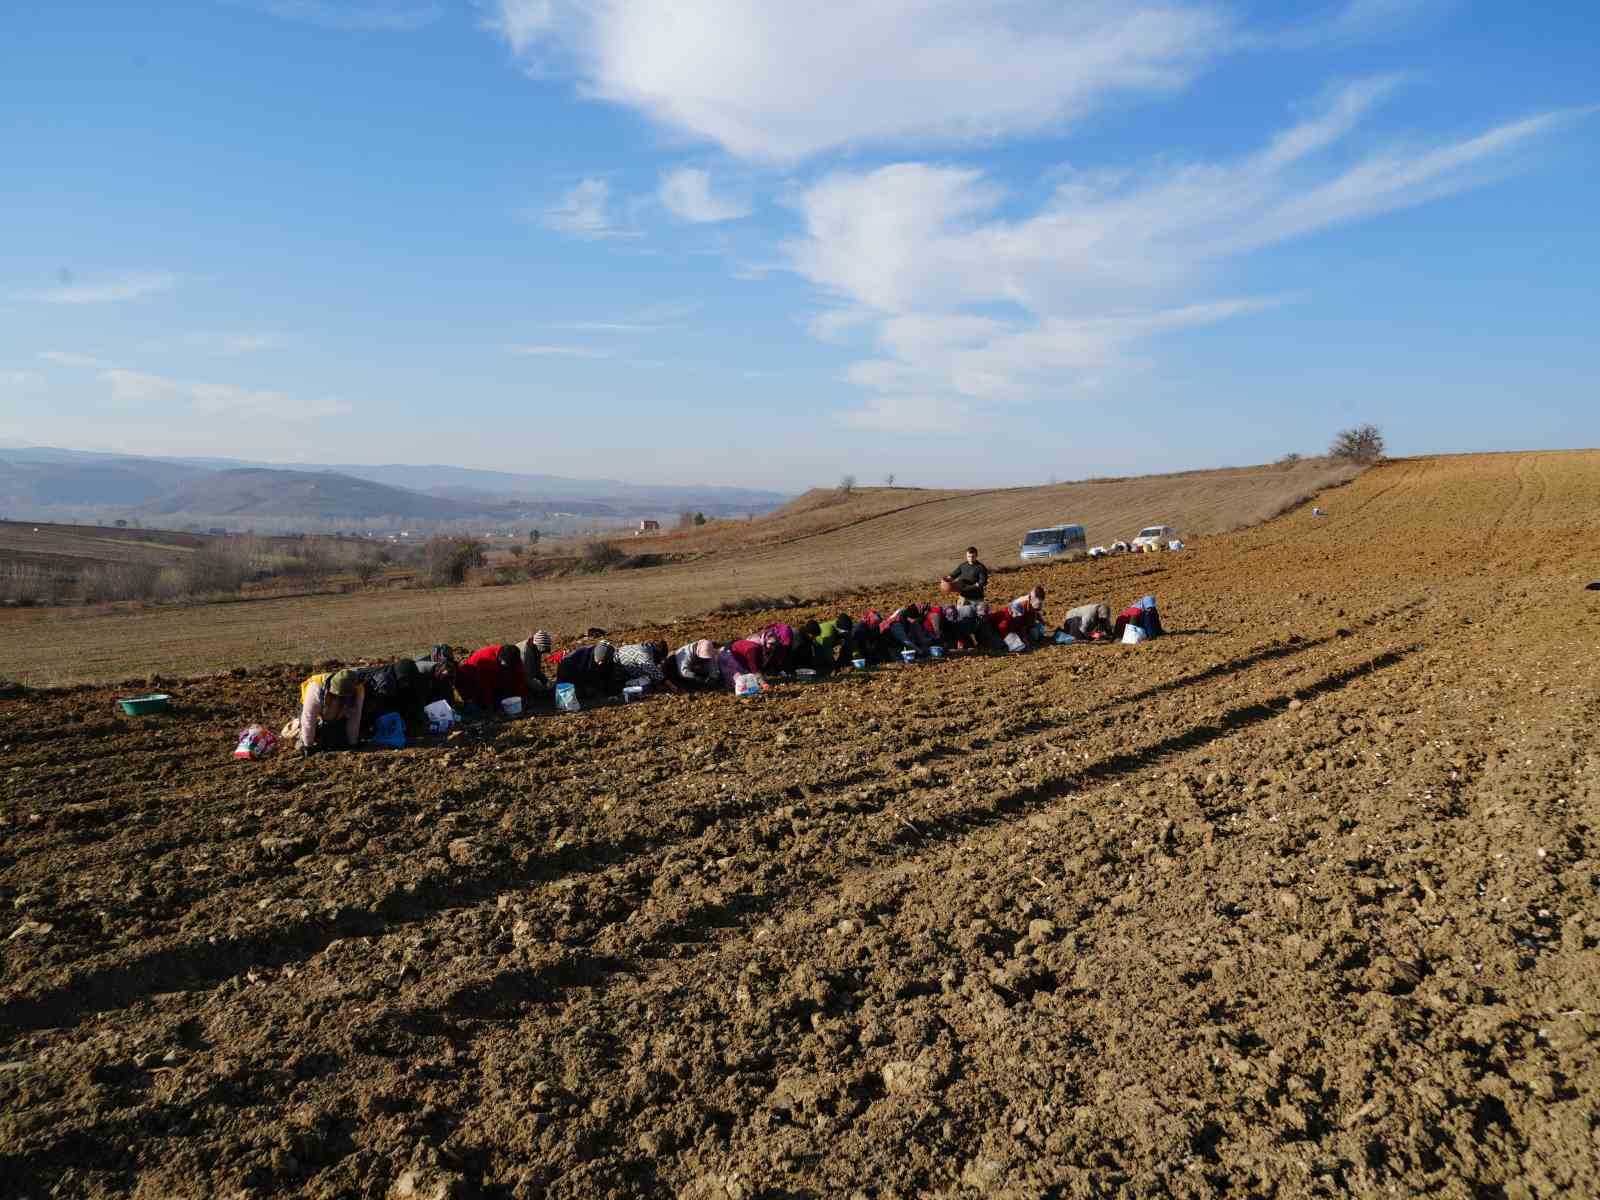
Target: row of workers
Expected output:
[339,708]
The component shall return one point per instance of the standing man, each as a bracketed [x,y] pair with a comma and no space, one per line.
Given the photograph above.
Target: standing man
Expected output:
[970,578]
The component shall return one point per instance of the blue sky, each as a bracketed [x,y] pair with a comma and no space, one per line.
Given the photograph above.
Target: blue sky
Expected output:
[762,243]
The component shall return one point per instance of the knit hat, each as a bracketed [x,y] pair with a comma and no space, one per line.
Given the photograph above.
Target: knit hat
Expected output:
[343,683]
[705,648]
[541,641]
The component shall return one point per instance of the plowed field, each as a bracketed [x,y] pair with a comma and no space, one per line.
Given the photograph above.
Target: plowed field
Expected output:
[818,545]
[1299,900]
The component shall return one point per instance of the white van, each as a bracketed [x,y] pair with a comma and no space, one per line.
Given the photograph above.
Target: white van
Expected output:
[1153,537]
[1058,541]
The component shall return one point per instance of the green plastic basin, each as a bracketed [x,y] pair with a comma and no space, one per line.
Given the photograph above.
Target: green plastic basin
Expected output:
[143,706]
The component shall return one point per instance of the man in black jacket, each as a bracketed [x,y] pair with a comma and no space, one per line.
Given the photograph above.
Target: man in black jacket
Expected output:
[970,578]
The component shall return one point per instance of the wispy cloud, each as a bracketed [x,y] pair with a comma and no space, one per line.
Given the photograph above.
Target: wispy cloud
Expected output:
[214,344]
[650,319]
[142,389]
[109,291]
[521,23]
[687,194]
[552,351]
[147,389]
[393,16]
[970,309]
[585,212]
[70,358]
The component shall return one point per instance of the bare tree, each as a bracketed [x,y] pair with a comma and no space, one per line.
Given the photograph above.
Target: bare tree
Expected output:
[847,484]
[1360,443]
[888,480]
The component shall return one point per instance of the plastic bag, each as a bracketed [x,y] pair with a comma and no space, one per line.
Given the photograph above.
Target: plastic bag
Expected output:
[567,698]
[257,741]
[747,685]
[390,733]
[1133,634]
[1015,644]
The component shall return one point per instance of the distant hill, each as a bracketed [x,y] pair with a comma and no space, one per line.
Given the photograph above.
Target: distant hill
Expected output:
[110,483]
[311,495]
[49,483]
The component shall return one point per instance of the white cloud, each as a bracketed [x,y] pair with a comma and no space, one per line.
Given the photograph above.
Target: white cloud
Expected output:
[783,81]
[561,351]
[110,291]
[976,309]
[584,212]
[142,389]
[687,194]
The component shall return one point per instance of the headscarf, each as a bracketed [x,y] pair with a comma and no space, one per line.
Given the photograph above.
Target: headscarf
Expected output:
[705,648]
[344,683]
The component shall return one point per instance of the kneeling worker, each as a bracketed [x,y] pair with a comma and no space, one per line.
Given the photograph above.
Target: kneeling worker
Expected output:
[330,711]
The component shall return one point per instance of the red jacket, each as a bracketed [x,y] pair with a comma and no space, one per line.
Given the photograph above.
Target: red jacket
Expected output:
[1005,621]
[481,679]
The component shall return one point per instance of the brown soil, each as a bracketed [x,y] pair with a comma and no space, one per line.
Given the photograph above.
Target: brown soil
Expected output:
[1299,900]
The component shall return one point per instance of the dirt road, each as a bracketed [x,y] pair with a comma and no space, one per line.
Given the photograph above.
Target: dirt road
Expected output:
[1299,900]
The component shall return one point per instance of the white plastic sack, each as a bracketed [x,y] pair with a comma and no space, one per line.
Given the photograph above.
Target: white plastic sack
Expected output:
[1132,634]
[567,698]
[440,710]
[747,685]
[1015,644]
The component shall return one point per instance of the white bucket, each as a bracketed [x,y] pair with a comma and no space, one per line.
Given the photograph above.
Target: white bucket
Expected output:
[511,706]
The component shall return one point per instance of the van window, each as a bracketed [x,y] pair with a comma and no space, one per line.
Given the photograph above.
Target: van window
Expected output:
[1042,537]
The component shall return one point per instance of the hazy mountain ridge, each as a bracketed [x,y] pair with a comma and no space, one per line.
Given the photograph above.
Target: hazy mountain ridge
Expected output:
[44,483]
